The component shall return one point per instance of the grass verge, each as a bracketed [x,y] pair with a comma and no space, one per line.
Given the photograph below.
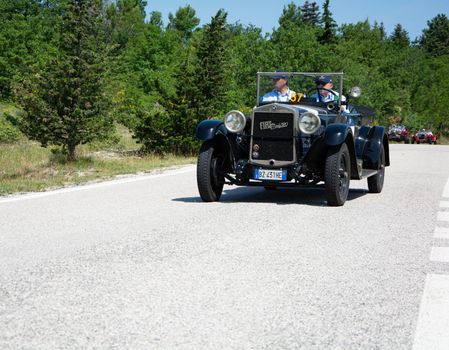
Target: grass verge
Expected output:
[27,167]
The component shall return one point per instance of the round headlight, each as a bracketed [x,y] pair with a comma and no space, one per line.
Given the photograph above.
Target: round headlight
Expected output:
[235,121]
[309,123]
[355,92]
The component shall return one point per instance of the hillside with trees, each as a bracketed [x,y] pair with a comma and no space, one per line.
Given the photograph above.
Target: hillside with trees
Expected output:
[77,68]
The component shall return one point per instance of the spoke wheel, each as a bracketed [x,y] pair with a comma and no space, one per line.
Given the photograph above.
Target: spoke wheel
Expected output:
[376,182]
[209,173]
[337,174]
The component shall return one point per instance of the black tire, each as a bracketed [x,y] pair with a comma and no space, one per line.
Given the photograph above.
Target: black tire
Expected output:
[209,176]
[376,182]
[337,174]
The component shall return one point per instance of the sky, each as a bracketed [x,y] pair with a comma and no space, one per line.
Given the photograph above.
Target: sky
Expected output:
[411,14]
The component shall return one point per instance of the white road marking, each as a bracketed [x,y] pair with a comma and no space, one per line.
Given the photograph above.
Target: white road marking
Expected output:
[440,254]
[441,232]
[432,330]
[135,178]
[446,190]
[443,216]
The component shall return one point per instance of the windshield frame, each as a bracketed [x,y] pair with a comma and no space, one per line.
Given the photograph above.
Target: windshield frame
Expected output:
[340,76]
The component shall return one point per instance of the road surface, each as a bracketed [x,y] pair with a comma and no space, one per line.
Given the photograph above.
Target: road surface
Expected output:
[142,263]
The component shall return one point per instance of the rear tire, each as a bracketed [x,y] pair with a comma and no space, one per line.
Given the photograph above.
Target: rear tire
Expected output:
[337,174]
[376,182]
[209,173]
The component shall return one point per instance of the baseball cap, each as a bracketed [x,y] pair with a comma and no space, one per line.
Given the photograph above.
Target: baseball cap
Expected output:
[280,74]
[324,79]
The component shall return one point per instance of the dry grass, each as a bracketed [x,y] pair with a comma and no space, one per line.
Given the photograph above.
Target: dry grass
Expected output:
[26,166]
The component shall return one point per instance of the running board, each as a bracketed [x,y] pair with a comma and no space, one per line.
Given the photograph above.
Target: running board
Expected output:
[368,173]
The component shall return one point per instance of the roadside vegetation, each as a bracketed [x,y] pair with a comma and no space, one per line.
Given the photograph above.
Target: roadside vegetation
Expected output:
[26,166]
[106,87]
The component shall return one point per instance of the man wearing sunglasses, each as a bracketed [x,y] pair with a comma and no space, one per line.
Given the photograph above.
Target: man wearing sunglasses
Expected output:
[281,92]
[324,85]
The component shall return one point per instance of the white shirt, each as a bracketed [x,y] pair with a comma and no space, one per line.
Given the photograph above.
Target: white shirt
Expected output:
[277,96]
[330,97]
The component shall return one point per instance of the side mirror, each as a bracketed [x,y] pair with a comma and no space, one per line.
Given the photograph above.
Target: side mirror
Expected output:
[355,92]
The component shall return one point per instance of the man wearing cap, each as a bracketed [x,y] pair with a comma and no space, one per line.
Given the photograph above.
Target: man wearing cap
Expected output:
[281,92]
[325,82]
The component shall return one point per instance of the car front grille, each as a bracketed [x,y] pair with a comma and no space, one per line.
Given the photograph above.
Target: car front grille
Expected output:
[273,136]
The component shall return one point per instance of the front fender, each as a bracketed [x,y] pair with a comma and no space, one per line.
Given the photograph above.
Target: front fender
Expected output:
[208,129]
[371,153]
[216,131]
[336,134]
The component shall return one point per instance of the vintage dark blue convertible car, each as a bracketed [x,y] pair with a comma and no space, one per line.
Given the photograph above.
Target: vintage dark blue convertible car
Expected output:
[303,141]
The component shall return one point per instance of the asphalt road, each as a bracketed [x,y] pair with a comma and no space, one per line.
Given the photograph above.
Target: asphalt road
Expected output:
[142,263]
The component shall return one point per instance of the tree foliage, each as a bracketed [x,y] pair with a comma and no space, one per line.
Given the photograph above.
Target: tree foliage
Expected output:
[400,36]
[329,25]
[64,103]
[76,64]
[210,72]
[435,38]
[184,21]
[311,13]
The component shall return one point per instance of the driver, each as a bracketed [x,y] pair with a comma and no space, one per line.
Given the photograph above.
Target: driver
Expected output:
[328,95]
[281,92]
[324,86]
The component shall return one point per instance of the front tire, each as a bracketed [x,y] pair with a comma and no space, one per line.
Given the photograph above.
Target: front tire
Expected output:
[376,182]
[209,173]
[337,175]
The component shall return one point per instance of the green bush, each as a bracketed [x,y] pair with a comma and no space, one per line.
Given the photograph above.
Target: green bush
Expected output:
[8,132]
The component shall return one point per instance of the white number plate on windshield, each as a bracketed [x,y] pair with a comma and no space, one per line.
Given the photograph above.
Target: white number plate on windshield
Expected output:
[269,174]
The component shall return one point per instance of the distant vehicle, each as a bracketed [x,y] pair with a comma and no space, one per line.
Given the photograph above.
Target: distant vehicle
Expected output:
[398,133]
[424,136]
[299,142]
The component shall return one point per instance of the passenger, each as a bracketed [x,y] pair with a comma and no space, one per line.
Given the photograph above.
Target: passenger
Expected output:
[281,92]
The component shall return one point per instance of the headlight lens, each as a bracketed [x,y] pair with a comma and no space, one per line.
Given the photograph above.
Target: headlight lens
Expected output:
[309,123]
[235,121]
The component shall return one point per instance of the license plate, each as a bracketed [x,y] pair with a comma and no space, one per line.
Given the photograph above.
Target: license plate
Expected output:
[269,174]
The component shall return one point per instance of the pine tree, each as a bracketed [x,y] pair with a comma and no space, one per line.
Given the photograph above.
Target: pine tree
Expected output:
[65,104]
[156,19]
[400,36]
[311,13]
[435,38]
[184,21]
[328,35]
[291,14]
[210,71]
[142,4]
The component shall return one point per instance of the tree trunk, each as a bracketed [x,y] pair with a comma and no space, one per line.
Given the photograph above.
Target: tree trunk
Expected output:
[71,156]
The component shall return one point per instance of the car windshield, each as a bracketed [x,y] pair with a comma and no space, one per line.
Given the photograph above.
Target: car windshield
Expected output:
[302,88]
